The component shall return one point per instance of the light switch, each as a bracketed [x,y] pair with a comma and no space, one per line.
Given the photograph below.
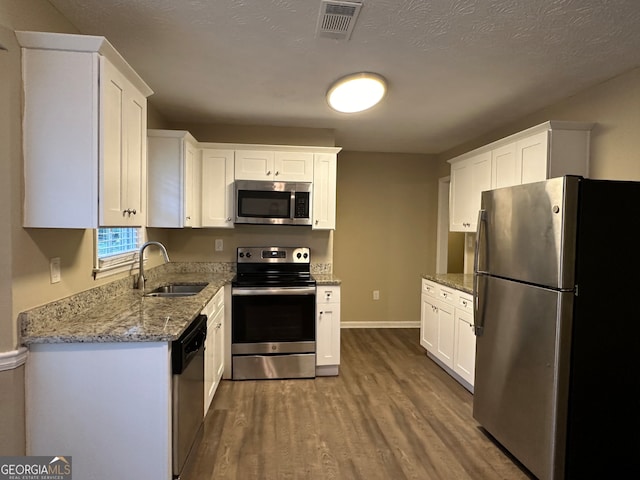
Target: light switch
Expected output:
[219,244]
[54,269]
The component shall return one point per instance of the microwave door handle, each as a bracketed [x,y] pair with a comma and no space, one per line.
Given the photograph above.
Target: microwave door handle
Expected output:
[478,320]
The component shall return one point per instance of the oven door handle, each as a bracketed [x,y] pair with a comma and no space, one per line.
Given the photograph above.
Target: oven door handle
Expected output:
[274,291]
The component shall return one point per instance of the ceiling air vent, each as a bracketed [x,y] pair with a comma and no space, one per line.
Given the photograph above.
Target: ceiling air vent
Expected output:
[337,19]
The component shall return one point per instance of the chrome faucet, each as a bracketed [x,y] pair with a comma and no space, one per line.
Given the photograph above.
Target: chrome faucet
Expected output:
[141,279]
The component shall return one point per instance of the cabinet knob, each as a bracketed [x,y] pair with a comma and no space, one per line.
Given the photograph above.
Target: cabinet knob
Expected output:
[277,173]
[268,172]
[316,222]
[228,219]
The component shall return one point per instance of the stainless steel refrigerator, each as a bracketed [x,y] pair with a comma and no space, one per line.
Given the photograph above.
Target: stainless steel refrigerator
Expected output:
[557,317]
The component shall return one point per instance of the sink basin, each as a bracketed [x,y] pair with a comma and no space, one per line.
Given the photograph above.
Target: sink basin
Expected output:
[177,290]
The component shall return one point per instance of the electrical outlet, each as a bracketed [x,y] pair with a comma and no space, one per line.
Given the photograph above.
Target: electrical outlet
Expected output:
[376,294]
[219,244]
[54,269]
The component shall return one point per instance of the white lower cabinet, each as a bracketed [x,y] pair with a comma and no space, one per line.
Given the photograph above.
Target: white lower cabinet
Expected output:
[465,340]
[446,330]
[327,330]
[214,347]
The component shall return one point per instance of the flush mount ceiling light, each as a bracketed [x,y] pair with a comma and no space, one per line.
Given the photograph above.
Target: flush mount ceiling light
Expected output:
[356,92]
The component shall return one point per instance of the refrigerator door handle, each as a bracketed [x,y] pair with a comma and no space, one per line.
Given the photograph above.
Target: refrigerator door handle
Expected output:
[478,323]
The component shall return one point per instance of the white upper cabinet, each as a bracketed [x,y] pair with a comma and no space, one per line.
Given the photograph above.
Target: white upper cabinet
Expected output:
[217,187]
[469,178]
[324,191]
[549,150]
[504,171]
[174,179]
[277,166]
[84,133]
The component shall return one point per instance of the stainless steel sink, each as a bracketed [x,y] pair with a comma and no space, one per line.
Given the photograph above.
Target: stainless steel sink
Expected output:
[177,290]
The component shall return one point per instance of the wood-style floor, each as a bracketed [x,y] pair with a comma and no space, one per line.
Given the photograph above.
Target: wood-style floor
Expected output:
[391,414]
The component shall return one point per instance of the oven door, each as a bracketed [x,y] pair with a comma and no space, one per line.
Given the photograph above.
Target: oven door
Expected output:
[273,333]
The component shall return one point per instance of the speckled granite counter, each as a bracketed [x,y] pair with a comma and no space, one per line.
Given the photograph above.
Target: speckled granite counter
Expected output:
[459,281]
[118,313]
[326,279]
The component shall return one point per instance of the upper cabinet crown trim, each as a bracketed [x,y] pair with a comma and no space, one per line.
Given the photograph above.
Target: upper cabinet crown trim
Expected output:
[83,43]
[549,125]
[274,148]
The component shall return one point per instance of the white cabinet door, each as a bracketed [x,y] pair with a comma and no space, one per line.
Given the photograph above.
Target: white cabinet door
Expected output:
[293,166]
[428,323]
[504,166]
[173,179]
[469,178]
[123,146]
[465,347]
[445,340]
[217,191]
[327,329]
[273,165]
[214,347]
[218,356]
[532,156]
[254,165]
[192,186]
[324,191]
[209,353]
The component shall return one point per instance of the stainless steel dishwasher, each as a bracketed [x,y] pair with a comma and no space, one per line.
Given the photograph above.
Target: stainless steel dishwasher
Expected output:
[187,359]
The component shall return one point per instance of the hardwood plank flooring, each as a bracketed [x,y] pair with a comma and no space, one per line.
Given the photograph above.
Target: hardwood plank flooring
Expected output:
[392,413]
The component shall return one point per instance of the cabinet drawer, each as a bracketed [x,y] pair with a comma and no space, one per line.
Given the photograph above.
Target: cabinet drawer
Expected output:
[430,288]
[215,304]
[465,302]
[448,295]
[327,295]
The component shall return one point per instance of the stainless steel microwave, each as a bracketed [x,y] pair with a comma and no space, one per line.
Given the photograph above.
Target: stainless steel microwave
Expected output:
[277,203]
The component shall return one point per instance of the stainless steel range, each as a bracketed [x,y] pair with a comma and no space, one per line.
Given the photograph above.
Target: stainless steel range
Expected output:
[273,332]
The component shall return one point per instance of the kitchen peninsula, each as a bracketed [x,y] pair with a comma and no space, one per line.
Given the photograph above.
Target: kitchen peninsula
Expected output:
[99,375]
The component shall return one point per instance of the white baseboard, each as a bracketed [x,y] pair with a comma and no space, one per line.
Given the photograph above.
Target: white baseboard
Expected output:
[380,324]
[13,359]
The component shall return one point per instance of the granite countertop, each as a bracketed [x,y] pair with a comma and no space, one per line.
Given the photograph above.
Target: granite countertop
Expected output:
[326,279]
[458,281]
[120,313]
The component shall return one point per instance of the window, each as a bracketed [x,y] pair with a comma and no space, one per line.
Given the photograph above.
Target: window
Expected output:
[116,250]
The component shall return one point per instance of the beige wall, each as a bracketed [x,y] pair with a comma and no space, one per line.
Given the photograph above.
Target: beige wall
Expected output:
[257,134]
[14,259]
[385,234]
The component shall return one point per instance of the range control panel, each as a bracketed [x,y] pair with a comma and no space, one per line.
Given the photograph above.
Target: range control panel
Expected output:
[274,255]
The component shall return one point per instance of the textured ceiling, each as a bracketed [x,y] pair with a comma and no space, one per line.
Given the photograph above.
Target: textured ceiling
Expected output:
[456,68]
